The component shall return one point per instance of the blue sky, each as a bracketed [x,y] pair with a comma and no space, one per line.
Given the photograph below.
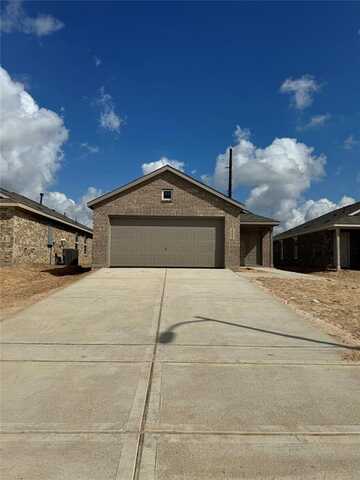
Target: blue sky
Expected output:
[179,77]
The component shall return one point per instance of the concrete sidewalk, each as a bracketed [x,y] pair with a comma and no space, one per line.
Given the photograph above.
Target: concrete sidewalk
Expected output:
[174,373]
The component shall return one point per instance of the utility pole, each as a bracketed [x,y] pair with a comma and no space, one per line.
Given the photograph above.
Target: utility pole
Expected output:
[230,173]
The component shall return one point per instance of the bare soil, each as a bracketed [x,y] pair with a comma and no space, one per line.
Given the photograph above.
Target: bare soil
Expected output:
[23,285]
[335,301]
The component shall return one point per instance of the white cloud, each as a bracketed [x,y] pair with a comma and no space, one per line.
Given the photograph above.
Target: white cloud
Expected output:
[316,121]
[108,117]
[301,90]
[31,142]
[15,19]
[276,175]
[350,142]
[151,166]
[110,120]
[313,209]
[31,139]
[90,148]
[75,210]
[97,61]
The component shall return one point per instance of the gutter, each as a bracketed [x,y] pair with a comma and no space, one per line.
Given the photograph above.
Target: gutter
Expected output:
[314,230]
[259,223]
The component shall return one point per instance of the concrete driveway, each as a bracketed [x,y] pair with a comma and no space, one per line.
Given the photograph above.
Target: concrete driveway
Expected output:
[144,374]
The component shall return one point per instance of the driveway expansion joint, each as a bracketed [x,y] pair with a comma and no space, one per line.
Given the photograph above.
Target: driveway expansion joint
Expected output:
[148,392]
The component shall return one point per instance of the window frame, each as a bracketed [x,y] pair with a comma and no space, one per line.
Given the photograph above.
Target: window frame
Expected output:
[163,199]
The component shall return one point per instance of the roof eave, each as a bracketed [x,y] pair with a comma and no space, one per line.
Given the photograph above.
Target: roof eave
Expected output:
[43,214]
[272,222]
[314,230]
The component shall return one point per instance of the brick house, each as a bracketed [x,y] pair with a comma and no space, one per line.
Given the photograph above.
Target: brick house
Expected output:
[329,241]
[30,232]
[167,218]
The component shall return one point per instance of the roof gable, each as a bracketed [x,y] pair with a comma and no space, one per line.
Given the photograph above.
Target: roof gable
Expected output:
[167,168]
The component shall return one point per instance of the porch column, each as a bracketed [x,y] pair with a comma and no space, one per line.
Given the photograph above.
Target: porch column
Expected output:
[337,249]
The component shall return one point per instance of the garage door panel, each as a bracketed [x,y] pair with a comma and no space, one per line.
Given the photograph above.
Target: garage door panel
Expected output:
[172,242]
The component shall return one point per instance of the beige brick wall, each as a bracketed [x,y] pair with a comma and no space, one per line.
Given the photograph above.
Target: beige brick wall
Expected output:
[145,199]
[267,255]
[6,235]
[29,239]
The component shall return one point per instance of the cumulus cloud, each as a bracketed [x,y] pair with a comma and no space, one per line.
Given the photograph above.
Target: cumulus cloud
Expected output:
[15,19]
[31,139]
[277,176]
[301,90]
[31,142]
[109,119]
[350,142]
[313,209]
[75,210]
[151,166]
[316,121]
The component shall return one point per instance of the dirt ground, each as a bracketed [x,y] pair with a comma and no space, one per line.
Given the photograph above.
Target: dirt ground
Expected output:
[335,301]
[21,286]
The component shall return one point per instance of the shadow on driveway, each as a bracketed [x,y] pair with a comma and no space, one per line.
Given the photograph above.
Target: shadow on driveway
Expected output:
[168,336]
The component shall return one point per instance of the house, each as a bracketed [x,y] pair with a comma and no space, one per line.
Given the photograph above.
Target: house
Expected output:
[329,241]
[169,219]
[30,232]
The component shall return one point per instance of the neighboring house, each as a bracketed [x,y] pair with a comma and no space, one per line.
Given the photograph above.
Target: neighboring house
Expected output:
[329,241]
[169,219]
[30,232]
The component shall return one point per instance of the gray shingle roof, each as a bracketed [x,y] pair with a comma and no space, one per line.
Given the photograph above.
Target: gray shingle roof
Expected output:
[13,197]
[341,216]
[249,217]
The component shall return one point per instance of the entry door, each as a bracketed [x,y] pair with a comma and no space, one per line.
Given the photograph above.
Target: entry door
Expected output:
[167,242]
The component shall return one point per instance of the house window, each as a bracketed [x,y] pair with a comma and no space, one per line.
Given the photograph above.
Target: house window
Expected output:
[85,246]
[166,195]
[76,241]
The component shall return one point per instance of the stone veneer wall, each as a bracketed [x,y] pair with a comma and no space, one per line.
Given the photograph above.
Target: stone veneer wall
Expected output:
[6,235]
[145,200]
[29,239]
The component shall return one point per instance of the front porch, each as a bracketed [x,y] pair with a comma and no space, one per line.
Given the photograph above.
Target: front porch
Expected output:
[256,246]
[346,248]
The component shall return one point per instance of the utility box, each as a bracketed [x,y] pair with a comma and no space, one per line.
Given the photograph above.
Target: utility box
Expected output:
[70,256]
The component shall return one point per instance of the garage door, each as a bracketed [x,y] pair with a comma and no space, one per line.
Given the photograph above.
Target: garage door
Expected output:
[167,242]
